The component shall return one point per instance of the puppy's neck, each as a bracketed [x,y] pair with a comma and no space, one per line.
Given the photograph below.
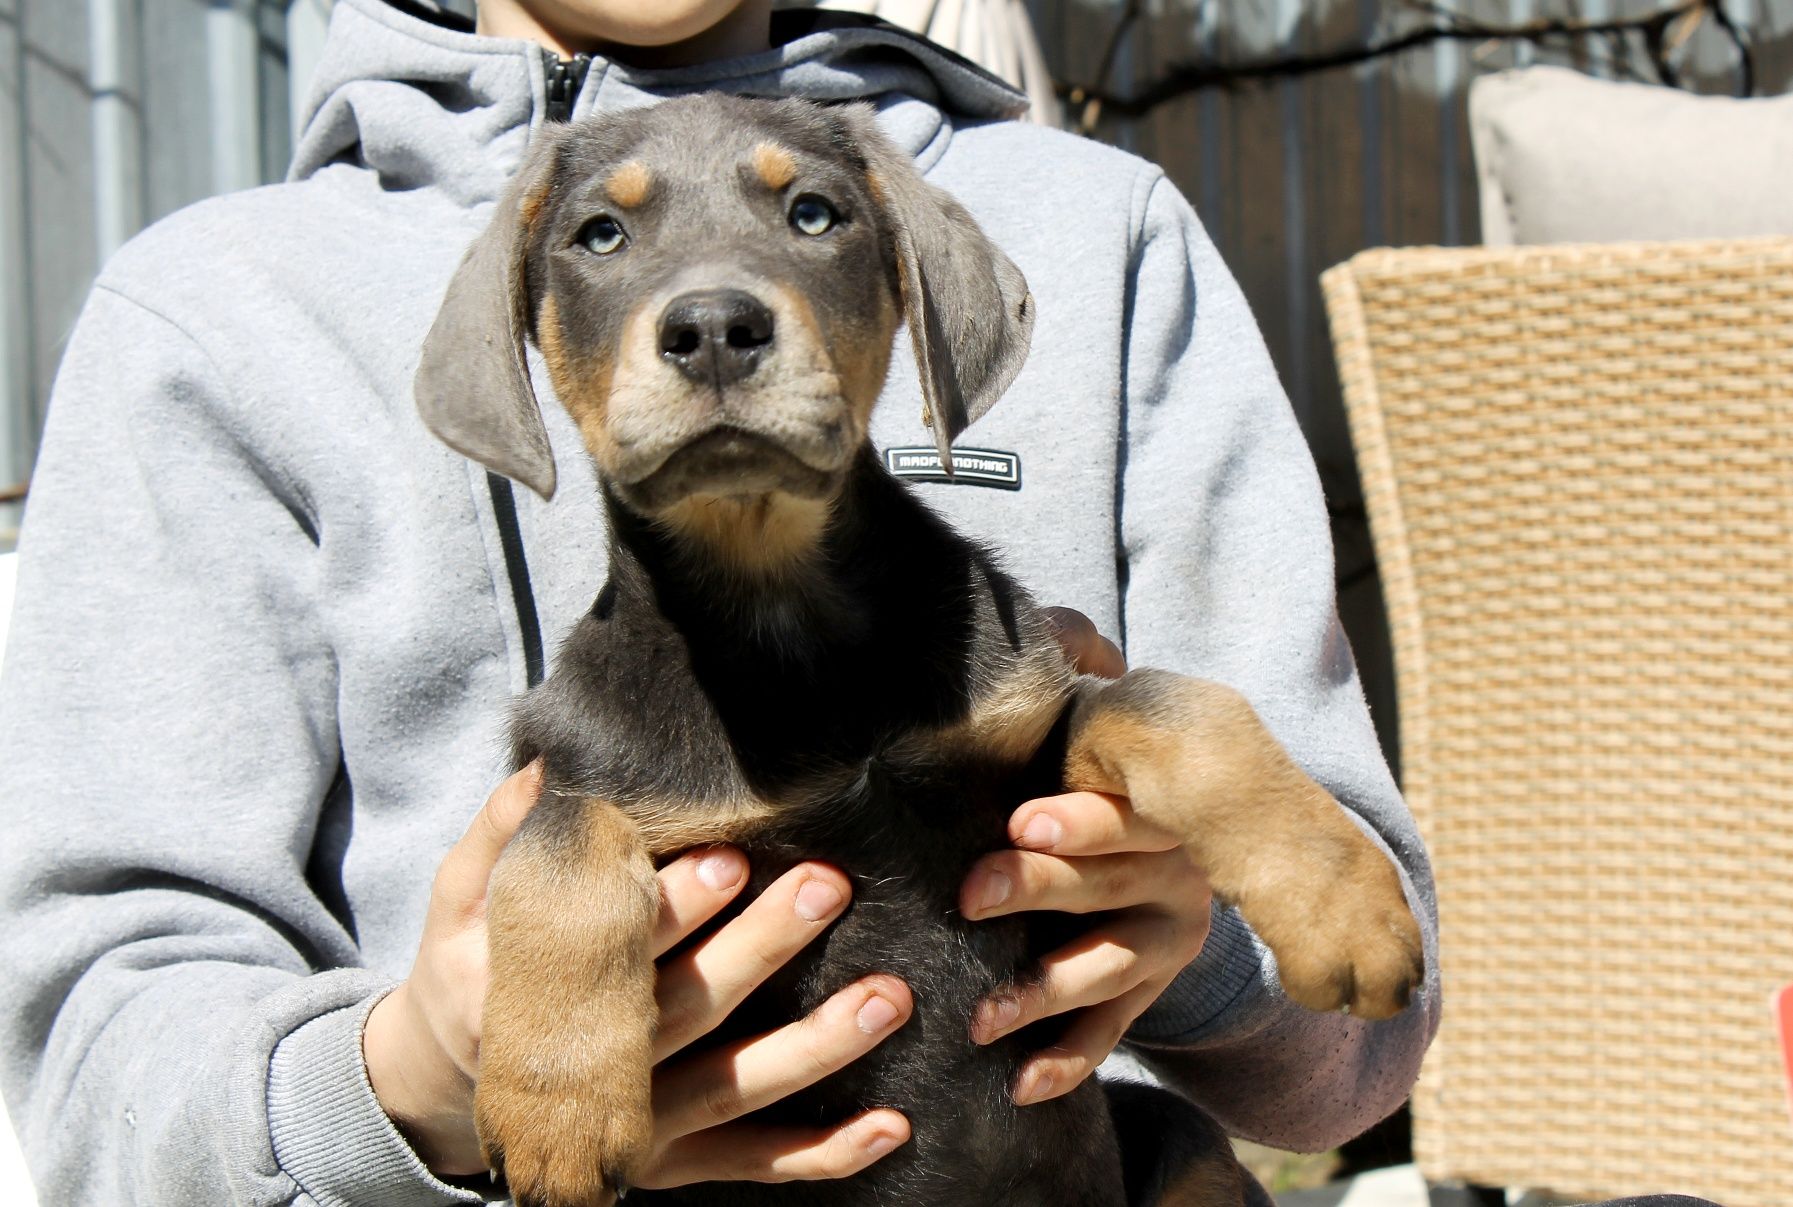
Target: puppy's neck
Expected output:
[753,541]
[871,636]
[795,579]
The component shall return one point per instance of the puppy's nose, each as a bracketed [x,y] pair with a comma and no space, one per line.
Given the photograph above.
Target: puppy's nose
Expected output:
[715,334]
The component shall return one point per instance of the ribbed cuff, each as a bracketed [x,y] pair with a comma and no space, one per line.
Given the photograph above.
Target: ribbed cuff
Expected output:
[329,1133]
[1219,982]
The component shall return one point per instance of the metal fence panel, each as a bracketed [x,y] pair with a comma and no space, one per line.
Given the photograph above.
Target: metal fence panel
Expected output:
[17,431]
[176,108]
[60,256]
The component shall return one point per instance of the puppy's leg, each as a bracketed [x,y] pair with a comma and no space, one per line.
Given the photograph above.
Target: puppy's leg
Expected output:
[566,1045]
[1196,761]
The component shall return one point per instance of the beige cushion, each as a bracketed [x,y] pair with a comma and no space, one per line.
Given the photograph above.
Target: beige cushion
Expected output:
[1565,158]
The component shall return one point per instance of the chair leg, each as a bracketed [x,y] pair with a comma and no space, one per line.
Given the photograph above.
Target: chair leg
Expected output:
[1458,1194]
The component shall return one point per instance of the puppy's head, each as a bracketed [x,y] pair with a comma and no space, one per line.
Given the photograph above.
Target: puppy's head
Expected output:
[714,284]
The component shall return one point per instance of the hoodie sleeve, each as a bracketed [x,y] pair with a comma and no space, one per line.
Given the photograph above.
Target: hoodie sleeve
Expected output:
[168,744]
[1228,575]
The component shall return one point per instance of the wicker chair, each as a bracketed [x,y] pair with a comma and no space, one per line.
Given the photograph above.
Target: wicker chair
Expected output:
[1578,464]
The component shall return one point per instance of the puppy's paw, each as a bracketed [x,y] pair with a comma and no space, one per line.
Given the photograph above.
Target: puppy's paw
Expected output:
[564,1104]
[1340,927]
[564,1101]
[560,1144]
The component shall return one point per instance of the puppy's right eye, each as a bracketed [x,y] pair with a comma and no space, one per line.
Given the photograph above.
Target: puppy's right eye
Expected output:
[601,235]
[812,215]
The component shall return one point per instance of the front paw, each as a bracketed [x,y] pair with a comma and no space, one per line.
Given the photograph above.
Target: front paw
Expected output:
[1340,927]
[564,1104]
[564,1143]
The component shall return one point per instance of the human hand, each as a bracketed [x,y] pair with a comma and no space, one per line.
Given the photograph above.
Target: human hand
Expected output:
[1084,853]
[421,1043]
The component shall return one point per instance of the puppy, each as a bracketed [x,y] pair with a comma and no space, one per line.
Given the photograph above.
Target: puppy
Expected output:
[793,654]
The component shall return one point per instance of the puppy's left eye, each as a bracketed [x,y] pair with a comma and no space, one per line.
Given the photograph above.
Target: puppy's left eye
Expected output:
[601,235]
[812,215]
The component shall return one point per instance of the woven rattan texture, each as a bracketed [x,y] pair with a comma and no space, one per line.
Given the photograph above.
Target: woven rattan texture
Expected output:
[1579,474]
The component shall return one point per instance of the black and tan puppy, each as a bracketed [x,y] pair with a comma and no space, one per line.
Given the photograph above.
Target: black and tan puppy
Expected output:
[794,654]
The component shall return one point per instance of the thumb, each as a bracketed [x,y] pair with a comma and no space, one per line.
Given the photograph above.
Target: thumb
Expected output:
[1088,650]
[467,867]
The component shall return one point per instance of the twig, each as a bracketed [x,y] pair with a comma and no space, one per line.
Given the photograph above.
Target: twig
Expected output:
[1092,109]
[1653,27]
[1746,64]
[1112,51]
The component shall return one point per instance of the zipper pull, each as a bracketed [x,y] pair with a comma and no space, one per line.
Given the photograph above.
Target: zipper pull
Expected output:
[565,77]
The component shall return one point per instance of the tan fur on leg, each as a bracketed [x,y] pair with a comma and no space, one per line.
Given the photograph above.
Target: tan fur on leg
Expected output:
[1196,760]
[566,1049]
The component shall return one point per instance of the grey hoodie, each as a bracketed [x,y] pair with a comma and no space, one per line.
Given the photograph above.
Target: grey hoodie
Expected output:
[267,628]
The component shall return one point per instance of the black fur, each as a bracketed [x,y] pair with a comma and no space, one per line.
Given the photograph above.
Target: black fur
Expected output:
[672,688]
[827,688]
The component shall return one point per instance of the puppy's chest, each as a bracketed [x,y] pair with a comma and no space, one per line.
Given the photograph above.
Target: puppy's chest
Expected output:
[889,802]
[876,747]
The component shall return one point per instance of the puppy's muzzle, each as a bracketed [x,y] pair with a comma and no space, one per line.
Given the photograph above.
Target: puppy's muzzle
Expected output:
[715,336]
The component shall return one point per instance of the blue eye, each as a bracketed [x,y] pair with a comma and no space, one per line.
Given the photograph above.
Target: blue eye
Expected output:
[812,215]
[601,235]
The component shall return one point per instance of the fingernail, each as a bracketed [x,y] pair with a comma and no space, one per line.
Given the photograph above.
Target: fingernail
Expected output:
[1035,1089]
[816,900]
[876,1015]
[996,890]
[1042,831]
[881,1143]
[721,870]
[995,1015]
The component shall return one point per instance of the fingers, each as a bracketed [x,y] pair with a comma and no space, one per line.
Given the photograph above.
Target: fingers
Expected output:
[1088,650]
[721,1086]
[1009,882]
[1140,948]
[745,1153]
[1085,1044]
[1085,823]
[698,988]
[461,880]
[693,888]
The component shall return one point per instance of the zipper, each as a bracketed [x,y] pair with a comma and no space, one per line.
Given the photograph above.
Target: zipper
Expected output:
[565,78]
[516,568]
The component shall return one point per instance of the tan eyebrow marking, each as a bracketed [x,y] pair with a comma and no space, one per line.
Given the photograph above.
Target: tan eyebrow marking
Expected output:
[531,207]
[774,164]
[628,186]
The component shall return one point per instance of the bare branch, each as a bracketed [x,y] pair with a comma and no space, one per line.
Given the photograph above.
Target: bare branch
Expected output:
[1092,109]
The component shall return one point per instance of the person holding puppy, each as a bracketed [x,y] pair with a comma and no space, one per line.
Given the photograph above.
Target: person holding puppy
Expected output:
[267,631]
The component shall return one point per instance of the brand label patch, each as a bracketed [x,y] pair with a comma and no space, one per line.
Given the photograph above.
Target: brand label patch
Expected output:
[971,466]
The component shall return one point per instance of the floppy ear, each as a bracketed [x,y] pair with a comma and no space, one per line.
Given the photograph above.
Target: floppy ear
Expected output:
[472,385]
[969,312]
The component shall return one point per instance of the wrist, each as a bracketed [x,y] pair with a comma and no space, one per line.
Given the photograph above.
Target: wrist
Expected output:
[425,1094]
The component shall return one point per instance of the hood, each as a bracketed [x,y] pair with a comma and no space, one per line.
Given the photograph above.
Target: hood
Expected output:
[417,97]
